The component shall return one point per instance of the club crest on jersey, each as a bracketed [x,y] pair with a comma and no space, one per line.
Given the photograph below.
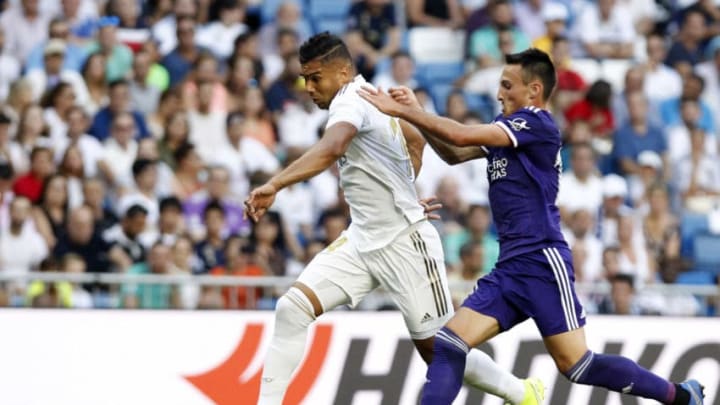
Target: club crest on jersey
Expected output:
[518,124]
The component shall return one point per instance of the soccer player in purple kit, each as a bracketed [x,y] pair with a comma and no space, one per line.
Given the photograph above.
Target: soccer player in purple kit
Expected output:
[533,277]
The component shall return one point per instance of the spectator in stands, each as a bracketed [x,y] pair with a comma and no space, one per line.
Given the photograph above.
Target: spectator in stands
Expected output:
[90,148]
[132,28]
[164,31]
[52,73]
[238,262]
[693,88]
[595,110]
[126,234]
[402,72]
[373,34]
[302,113]
[121,149]
[435,13]
[477,232]
[660,226]
[530,16]
[93,74]
[119,105]
[586,247]
[74,54]
[210,248]
[622,297]
[485,46]
[710,72]
[150,296]
[176,134]
[288,16]
[634,257]
[145,179]
[81,238]
[258,124]
[636,136]
[661,81]
[697,175]
[581,186]
[554,15]
[143,97]
[51,212]
[604,30]
[21,245]
[25,26]
[187,174]
[456,107]
[269,238]
[32,131]
[158,76]
[11,153]
[284,90]
[30,185]
[82,20]
[9,67]
[615,192]
[119,56]
[469,270]
[243,156]
[333,222]
[56,103]
[217,189]
[19,98]
[207,126]
[170,102]
[71,166]
[180,60]
[94,191]
[218,36]
[78,297]
[650,172]
[205,70]
[184,296]
[686,50]
[170,225]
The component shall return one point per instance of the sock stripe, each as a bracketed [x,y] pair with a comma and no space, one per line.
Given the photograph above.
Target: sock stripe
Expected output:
[566,276]
[433,287]
[565,303]
[575,376]
[453,340]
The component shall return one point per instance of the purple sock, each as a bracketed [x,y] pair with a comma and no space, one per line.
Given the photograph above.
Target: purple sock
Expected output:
[621,374]
[445,374]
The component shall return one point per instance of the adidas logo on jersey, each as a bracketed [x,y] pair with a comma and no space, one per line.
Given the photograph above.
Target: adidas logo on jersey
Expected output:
[426,318]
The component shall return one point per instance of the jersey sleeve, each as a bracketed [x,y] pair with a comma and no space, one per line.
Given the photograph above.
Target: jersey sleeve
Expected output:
[523,128]
[347,107]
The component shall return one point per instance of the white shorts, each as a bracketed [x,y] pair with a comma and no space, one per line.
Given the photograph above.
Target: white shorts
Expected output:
[411,269]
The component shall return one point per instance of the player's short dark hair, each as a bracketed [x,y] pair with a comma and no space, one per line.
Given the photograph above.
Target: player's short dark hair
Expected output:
[325,46]
[171,202]
[535,64]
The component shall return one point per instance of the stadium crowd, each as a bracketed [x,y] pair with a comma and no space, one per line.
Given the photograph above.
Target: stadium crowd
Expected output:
[132,130]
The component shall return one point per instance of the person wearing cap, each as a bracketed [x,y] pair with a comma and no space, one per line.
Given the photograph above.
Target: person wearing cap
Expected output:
[615,193]
[52,73]
[75,55]
[119,57]
[636,136]
[555,16]
[650,172]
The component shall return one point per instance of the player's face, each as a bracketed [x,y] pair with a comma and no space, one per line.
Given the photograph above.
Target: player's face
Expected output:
[513,92]
[323,80]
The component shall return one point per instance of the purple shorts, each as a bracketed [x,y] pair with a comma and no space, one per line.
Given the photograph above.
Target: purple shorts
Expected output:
[537,285]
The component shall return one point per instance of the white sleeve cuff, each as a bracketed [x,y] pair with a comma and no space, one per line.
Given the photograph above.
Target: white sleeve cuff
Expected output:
[509,133]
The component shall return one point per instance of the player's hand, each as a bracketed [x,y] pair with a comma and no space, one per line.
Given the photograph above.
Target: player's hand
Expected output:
[260,199]
[381,100]
[405,96]
[430,204]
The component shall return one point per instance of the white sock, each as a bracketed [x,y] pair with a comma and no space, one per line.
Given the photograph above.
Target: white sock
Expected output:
[483,373]
[293,315]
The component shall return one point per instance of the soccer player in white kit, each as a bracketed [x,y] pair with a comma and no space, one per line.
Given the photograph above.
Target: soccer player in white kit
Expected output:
[389,243]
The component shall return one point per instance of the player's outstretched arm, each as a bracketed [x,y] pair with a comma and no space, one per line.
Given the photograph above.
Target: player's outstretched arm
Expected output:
[319,157]
[446,129]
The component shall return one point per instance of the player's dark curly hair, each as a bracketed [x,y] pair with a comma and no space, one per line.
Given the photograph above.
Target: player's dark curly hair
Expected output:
[536,64]
[325,46]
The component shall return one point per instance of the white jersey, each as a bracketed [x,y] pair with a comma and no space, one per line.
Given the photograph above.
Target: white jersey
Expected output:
[376,172]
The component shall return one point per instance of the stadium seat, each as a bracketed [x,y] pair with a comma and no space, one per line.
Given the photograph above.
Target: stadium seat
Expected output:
[613,71]
[328,9]
[696,277]
[440,93]
[431,74]
[333,25]
[482,105]
[589,69]
[436,45]
[706,252]
[268,8]
[691,225]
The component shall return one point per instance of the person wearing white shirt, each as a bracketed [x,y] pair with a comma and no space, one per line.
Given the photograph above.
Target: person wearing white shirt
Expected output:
[25,26]
[164,31]
[121,149]
[9,67]
[529,17]
[402,72]
[697,174]
[605,30]
[52,73]
[587,248]
[581,187]
[91,149]
[22,247]
[678,136]
[710,72]
[301,114]
[661,82]
[206,126]
[243,156]
[219,36]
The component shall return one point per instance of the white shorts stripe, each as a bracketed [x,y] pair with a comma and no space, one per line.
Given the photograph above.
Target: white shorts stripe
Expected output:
[564,274]
[561,287]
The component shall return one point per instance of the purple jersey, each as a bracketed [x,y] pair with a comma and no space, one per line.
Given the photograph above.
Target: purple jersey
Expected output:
[524,183]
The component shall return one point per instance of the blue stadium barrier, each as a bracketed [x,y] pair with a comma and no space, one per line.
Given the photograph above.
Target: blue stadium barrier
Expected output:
[691,225]
[440,93]
[334,9]
[431,74]
[269,7]
[696,277]
[706,252]
[333,25]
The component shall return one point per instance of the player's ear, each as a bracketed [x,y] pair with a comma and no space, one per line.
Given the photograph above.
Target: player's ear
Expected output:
[536,89]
